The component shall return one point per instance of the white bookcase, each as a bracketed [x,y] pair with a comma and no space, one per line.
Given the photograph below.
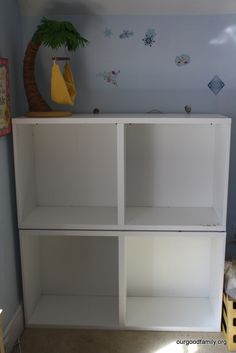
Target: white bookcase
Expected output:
[122,220]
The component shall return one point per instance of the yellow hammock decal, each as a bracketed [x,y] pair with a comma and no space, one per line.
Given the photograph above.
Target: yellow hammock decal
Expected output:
[63,89]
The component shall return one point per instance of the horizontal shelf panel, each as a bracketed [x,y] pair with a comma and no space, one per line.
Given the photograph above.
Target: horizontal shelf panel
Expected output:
[177,217]
[75,311]
[170,314]
[137,218]
[70,218]
[128,118]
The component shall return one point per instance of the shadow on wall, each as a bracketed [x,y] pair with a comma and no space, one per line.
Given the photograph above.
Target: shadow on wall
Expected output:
[68,8]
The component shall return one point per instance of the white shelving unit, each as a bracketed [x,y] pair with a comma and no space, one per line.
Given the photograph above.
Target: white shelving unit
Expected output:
[122,219]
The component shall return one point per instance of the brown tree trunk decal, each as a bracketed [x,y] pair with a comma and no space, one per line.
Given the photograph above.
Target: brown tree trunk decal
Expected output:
[35,100]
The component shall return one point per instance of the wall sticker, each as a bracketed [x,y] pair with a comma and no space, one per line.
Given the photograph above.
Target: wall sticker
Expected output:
[182,60]
[149,37]
[216,85]
[110,76]
[126,34]
[108,33]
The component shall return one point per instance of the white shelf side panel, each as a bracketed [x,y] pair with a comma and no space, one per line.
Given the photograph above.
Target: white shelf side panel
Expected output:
[75,311]
[24,160]
[170,314]
[31,272]
[217,263]
[221,170]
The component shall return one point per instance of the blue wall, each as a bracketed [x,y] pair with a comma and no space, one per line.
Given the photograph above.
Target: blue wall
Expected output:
[147,77]
[10,46]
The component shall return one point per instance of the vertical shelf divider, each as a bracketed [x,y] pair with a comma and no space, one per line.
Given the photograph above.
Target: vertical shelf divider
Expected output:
[122,280]
[121,220]
[121,173]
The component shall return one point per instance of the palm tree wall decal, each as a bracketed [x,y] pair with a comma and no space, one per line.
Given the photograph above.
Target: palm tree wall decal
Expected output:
[53,34]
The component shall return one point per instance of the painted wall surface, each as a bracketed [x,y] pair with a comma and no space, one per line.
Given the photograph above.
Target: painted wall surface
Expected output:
[10,46]
[145,63]
[147,77]
[131,7]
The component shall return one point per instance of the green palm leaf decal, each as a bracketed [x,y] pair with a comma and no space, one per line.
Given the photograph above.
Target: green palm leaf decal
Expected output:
[57,34]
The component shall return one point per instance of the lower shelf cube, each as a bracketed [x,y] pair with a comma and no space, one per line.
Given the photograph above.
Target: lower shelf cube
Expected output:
[174,281]
[70,281]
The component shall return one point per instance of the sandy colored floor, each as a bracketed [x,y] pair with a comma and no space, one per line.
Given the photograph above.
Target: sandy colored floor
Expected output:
[99,341]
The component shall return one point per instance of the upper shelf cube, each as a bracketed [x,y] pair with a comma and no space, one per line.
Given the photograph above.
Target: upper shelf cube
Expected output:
[177,175]
[172,171]
[66,175]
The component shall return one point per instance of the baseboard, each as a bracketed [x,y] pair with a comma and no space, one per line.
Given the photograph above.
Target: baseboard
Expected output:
[14,329]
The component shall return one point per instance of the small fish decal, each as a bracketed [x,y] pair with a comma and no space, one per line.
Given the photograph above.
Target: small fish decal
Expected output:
[182,60]
[110,76]
[126,34]
[108,33]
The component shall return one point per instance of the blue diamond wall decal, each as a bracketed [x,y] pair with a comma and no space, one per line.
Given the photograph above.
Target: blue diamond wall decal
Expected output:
[216,85]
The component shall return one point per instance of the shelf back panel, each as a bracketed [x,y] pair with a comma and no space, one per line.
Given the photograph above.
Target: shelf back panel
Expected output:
[169,165]
[168,266]
[79,265]
[76,165]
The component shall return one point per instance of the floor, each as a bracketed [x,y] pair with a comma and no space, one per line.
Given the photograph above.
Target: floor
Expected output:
[99,341]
